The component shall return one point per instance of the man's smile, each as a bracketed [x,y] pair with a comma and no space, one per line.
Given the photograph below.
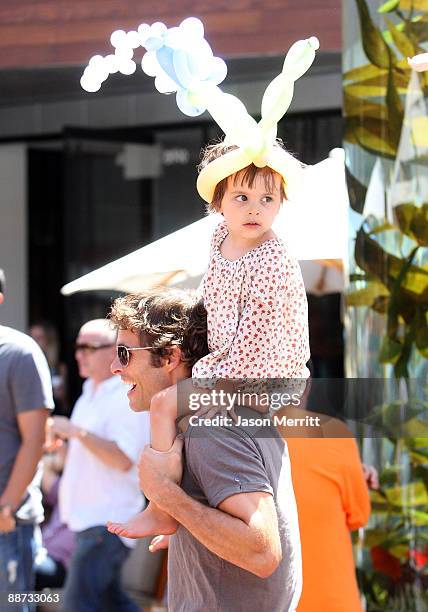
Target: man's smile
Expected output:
[129,383]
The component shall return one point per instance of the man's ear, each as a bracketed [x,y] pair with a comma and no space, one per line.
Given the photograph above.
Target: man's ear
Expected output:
[174,359]
[1,298]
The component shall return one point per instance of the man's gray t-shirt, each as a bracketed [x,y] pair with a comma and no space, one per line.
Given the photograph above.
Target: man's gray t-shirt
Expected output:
[220,462]
[25,385]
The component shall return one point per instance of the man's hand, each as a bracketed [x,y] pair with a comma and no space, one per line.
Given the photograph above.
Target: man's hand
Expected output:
[156,468]
[7,520]
[62,427]
[371,476]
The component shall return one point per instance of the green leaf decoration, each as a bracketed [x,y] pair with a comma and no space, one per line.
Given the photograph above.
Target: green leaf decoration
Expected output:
[419,29]
[383,227]
[373,259]
[416,428]
[377,85]
[400,551]
[377,498]
[375,537]
[400,39]
[377,133]
[420,444]
[354,277]
[356,190]
[418,458]
[367,295]
[373,137]
[377,51]
[367,90]
[395,111]
[368,71]
[355,107]
[416,5]
[392,418]
[394,286]
[419,518]
[413,221]
[381,304]
[408,496]
[421,334]
[390,350]
[388,6]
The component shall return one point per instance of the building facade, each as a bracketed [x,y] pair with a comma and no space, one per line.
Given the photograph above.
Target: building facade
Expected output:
[71,162]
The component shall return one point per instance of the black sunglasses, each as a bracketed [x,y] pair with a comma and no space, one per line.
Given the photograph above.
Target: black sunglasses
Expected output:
[124,353]
[90,348]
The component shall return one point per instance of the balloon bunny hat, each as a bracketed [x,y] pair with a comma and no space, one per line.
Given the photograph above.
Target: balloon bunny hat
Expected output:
[181,60]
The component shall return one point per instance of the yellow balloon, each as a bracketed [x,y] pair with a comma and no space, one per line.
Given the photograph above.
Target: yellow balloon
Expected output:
[276,101]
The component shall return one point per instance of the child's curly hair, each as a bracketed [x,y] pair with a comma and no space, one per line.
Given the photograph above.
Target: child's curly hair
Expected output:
[246,176]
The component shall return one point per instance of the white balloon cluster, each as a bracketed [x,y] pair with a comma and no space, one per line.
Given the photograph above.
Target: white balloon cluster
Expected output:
[179,58]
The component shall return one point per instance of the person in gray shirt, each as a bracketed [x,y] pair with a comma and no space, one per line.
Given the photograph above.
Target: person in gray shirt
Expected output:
[25,401]
[237,546]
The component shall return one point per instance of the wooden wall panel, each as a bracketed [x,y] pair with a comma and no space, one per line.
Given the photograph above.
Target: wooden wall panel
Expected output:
[55,32]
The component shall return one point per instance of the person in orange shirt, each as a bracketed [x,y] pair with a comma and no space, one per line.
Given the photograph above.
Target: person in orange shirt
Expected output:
[331,488]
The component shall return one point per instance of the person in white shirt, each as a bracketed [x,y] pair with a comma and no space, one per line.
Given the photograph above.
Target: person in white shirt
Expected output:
[100,479]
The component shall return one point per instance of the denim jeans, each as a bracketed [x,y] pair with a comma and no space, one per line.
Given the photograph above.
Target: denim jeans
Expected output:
[93,582]
[16,564]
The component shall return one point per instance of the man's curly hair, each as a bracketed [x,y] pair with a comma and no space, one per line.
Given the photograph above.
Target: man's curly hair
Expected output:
[163,318]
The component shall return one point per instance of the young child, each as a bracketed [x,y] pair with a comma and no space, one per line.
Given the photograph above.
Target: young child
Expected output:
[255,300]
[253,290]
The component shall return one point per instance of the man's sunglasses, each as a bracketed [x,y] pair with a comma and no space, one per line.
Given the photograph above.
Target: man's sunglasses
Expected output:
[90,348]
[124,353]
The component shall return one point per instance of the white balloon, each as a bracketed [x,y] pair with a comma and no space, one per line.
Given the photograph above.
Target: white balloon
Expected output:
[89,85]
[158,29]
[127,67]
[118,38]
[193,26]
[174,38]
[314,42]
[217,70]
[96,59]
[124,53]
[133,39]
[164,84]
[143,32]
[199,58]
[112,63]
[150,64]
[101,72]
[97,69]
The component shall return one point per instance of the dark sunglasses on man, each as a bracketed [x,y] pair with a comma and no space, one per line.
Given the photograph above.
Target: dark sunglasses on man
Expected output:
[124,353]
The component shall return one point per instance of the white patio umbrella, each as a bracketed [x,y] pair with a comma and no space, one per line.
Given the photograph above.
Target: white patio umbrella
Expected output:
[314,227]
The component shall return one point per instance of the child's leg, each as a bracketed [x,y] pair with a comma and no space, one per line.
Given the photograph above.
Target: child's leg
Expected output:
[144,524]
[163,414]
